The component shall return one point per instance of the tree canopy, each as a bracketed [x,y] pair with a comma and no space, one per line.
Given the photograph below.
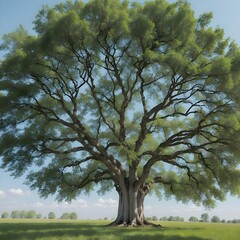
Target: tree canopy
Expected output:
[137,97]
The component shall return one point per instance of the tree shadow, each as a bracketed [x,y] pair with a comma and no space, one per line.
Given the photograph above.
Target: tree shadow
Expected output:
[144,237]
[152,233]
[17,231]
[80,230]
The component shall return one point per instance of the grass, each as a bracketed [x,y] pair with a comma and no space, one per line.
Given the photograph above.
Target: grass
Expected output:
[11,229]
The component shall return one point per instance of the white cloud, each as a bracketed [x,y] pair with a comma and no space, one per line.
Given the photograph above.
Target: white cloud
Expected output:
[38,205]
[16,191]
[105,203]
[183,209]
[80,203]
[148,207]
[195,208]
[2,194]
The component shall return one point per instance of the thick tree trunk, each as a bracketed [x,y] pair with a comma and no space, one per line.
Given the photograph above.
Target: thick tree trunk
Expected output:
[131,207]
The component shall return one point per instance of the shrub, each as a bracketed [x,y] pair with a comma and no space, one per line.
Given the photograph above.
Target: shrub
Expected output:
[215,219]
[5,215]
[73,216]
[193,219]
[51,215]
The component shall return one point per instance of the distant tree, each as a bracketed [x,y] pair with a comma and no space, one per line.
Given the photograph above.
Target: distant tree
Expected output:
[39,215]
[106,218]
[15,214]
[65,216]
[176,218]
[164,219]
[193,219]
[171,218]
[229,221]
[51,215]
[236,221]
[179,219]
[31,214]
[215,219]
[23,214]
[5,215]
[223,221]
[154,218]
[139,98]
[149,218]
[205,217]
[73,216]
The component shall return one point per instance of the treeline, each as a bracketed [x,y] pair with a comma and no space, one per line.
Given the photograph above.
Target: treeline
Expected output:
[204,218]
[215,219]
[32,214]
[22,214]
[164,219]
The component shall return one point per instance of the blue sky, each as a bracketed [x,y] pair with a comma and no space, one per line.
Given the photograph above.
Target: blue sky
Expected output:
[15,195]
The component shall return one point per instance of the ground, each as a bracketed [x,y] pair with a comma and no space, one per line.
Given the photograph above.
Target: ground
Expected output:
[97,230]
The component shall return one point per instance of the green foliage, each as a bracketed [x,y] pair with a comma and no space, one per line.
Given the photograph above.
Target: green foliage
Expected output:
[5,215]
[215,219]
[15,214]
[108,89]
[193,219]
[205,217]
[154,218]
[164,219]
[236,221]
[39,216]
[31,214]
[84,230]
[73,216]
[51,215]
[23,214]
[65,216]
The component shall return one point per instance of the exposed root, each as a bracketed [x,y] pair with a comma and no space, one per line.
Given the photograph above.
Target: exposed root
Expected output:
[147,223]
[134,224]
[117,224]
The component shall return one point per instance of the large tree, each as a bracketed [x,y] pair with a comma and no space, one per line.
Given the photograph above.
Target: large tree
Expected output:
[136,97]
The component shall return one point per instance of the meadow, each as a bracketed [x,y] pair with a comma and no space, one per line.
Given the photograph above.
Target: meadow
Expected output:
[11,229]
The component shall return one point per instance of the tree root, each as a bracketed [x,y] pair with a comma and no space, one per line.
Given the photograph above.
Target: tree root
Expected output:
[147,223]
[134,224]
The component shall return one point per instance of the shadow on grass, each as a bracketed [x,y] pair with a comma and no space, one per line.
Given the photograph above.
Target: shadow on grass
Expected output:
[80,230]
[159,237]
[48,230]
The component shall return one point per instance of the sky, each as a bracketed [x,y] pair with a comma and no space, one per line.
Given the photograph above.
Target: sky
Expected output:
[14,195]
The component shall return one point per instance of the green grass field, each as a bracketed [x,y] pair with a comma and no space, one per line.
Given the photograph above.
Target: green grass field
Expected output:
[11,229]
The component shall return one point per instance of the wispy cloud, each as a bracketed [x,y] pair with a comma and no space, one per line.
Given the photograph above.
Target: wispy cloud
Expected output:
[195,208]
[2,194]
[79,203]
[191,208]
[17,192]
[106,203]
[13,192]
[39,204]
[148,207]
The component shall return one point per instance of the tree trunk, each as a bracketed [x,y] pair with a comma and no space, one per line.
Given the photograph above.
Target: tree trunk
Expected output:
[131,206]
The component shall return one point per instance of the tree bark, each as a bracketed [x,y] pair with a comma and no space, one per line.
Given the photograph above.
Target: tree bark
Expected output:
[131,206]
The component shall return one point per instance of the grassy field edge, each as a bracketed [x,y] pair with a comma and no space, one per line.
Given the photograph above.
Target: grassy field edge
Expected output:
[44,229]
